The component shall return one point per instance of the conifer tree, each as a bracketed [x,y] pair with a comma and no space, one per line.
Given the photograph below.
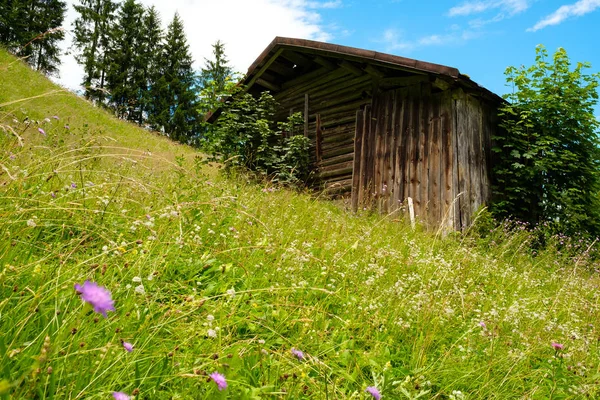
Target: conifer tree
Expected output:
[215,74]
[45,53]
[92,37]
[122,77]
[30,28]
[13,18]
[177,113]
[148,63]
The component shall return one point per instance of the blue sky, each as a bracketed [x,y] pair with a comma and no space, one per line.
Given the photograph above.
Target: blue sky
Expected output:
[479,37]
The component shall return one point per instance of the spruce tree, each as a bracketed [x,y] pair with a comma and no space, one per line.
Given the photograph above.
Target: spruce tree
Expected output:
[179,86]
[148,63]
[30,28]
[92,37]
[49,16]
[123,62]
[13,27]
[215,74]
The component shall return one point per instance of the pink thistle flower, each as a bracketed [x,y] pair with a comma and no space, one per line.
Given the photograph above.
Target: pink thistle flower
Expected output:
[558,346]
[97,296]
[128,346]
[120,396]
[298,353]
[43,132]
[219,379]
[372,390]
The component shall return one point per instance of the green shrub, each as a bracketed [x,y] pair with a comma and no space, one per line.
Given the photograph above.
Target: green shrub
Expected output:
[547,154]
[247,136]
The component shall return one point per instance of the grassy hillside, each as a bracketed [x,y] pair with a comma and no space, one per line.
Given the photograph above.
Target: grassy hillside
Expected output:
[285,295]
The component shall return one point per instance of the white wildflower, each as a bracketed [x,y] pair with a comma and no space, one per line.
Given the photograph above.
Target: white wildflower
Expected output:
[140,289]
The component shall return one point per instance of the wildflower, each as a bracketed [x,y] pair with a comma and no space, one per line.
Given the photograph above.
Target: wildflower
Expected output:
[128,346]
[298,353]
[483,325]
[210,317]
[558,346]
[53,195]
[137,279]
[211,333]
[55,117]
[97,296]
[31,223]
[372,390]
[120,396]
[43,132]
[219,379]
[73,185]
[67,127]
[140,289]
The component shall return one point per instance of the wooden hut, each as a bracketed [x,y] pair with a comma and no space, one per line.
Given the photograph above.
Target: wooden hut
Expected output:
[386,128]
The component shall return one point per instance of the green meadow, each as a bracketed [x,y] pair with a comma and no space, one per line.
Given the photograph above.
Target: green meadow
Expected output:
[284,293]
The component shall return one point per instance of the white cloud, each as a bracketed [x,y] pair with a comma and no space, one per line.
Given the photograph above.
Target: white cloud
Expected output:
[577,9]
[246,27]
[394,40]
[510,7]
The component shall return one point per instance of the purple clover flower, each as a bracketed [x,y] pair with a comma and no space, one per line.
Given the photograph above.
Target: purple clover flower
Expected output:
[43,132]
[219,379]
[120,396]
[483,325]
[97,296]
[128,346]
[558,346]
[298,353]
[372,390]
[73,185]
[55,117]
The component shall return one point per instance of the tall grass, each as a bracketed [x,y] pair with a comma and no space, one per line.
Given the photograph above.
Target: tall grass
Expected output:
[218,274]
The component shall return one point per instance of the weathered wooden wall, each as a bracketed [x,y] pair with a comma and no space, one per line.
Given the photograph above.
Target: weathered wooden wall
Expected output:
[432,147]
[475,123]
[334,94]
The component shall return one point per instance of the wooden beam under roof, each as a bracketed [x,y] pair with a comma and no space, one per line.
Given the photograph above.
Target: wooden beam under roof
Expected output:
[373,71]
[296,58]
[403,81]
[271,86]
[281,69]
[348,66]
[325,62]
[266,66]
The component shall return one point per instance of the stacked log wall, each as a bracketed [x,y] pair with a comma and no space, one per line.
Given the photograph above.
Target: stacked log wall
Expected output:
[335,95]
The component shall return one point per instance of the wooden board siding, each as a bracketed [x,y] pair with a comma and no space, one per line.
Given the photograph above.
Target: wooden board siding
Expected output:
[427,146]
[474,128]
